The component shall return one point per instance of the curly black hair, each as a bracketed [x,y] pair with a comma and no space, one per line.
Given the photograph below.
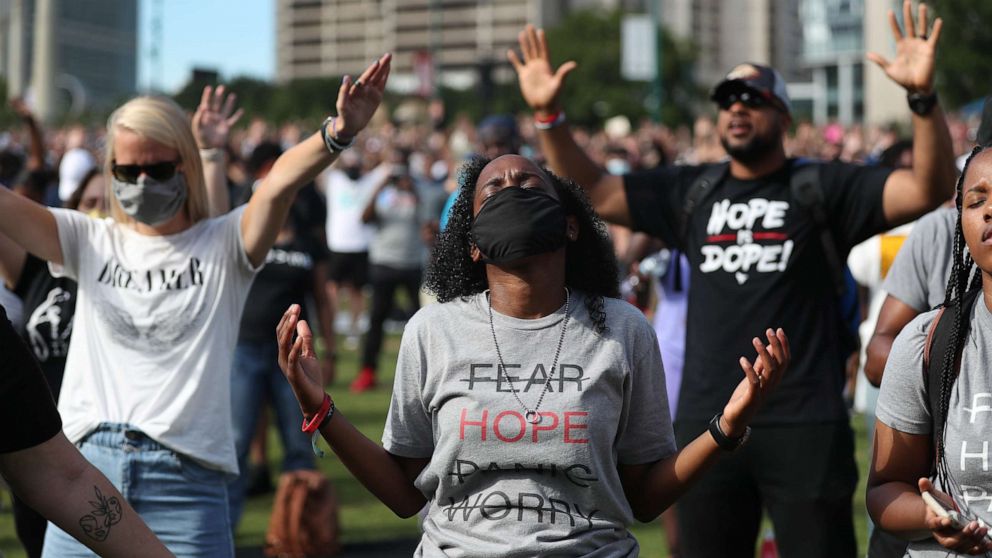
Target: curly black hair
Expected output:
[590,264]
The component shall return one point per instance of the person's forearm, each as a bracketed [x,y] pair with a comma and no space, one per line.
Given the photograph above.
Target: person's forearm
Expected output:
[898,508]
[566,158]
[30,225]
[876,354]
[36,156]
[215,175]
[12,258]
[269,206]
[933,157]
[666,480]
[297,167]
[55,480]
[373,466]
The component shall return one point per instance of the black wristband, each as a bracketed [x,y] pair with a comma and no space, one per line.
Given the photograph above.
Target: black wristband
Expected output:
[921,103]
[725,442]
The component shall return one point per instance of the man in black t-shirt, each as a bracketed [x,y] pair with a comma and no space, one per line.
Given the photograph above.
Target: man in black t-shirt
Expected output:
[757,261]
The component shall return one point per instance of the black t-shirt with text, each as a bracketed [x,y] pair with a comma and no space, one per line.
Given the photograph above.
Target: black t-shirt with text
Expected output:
[287,278]
[757,261]
[49,306]
[27,409]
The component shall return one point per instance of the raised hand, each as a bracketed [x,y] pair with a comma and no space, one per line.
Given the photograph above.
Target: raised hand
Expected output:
[760,379]
[913,66]
[359,99]
[21,108]
[214,118]
[539,84]
[969,540]
[298,361]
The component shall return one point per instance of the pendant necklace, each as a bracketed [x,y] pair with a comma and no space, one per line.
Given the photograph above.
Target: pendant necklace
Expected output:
[530,415]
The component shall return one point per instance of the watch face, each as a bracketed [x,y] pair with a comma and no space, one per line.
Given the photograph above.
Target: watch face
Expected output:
[922,104]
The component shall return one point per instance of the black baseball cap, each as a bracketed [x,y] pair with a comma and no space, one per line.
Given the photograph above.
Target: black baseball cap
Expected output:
[763,80]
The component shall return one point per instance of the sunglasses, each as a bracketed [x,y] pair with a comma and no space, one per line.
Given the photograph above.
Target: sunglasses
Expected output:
[156,171]
[749,98]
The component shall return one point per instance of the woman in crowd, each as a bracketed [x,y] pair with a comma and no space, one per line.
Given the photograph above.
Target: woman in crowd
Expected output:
[396,253]
[905,462]
[529,408]
[161,287]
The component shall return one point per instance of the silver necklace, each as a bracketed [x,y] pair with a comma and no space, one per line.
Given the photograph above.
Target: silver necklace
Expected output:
[530,415]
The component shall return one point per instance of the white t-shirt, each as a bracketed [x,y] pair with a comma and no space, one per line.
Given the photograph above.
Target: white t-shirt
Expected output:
[346,199]
[156,323]
[73,167]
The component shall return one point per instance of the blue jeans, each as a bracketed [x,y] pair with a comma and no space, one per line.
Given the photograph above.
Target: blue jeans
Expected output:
[255,379]
[183,502]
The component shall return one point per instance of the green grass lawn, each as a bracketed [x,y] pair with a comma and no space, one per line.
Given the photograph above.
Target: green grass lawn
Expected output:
[363,518]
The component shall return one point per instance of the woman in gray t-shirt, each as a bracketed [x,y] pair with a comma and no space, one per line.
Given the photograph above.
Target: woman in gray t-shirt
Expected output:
[529,411]
[904,456]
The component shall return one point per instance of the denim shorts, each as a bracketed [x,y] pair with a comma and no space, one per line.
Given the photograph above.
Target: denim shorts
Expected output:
[183,502]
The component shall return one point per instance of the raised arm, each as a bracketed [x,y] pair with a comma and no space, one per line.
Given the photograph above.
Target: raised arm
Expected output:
[540,87]
[269,206]
[29,225]
[36,153]
[58,482]
[911,193]
[652,488]
[389,477]
[212,124]
[894,315]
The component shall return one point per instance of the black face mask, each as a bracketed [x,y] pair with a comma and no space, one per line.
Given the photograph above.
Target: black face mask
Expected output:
[518,222]
[353,173]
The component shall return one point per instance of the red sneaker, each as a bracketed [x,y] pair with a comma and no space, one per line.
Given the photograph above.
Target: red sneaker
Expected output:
[364,381]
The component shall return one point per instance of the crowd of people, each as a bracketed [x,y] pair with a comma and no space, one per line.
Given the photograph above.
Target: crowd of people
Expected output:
[163,273]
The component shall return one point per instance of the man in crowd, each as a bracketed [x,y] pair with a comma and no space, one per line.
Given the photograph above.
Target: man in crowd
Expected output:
[759,257]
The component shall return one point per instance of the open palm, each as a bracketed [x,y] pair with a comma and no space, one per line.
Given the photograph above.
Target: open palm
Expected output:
[760,379]
[298,360]
[214,118]
[913,65]
[358,100]
[539,84]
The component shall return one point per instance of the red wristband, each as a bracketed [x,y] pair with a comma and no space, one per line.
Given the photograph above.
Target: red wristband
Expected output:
[548,119]
[311,426]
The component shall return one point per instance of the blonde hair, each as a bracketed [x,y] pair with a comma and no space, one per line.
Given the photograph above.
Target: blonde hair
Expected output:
[162,120]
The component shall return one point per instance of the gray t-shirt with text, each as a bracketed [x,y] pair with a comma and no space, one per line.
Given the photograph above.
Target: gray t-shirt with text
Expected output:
[903,406]
[918,276]
[499,486]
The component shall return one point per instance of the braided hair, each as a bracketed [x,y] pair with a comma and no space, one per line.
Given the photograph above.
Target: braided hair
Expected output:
[964,277]
[590,263]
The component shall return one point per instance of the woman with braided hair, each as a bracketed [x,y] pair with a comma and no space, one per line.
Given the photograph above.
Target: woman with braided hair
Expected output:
[906,462]
[529,410]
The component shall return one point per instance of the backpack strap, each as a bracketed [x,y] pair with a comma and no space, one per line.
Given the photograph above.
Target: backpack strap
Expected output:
[704,183]
[938,344]
[804,181]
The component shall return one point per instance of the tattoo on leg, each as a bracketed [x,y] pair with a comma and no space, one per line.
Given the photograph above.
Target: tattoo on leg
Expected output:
[106,512]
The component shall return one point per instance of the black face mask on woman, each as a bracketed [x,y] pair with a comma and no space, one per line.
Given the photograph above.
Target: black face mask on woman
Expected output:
[518,222]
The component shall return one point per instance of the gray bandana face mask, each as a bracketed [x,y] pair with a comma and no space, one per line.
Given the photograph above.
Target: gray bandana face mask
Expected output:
[150,201]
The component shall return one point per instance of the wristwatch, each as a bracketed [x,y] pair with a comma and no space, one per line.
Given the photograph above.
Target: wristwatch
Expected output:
[921,103]
[726,442]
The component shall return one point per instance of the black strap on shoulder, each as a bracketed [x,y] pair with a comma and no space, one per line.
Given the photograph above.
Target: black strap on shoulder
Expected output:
[704,183]
[938,344]
[804,181]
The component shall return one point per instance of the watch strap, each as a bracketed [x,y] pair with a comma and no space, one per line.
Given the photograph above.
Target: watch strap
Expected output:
[725,442]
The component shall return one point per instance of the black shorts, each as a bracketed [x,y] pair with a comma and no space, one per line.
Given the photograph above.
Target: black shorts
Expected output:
[349,268]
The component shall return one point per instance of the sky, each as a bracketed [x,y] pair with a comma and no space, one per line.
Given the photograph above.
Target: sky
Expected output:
[235,37]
